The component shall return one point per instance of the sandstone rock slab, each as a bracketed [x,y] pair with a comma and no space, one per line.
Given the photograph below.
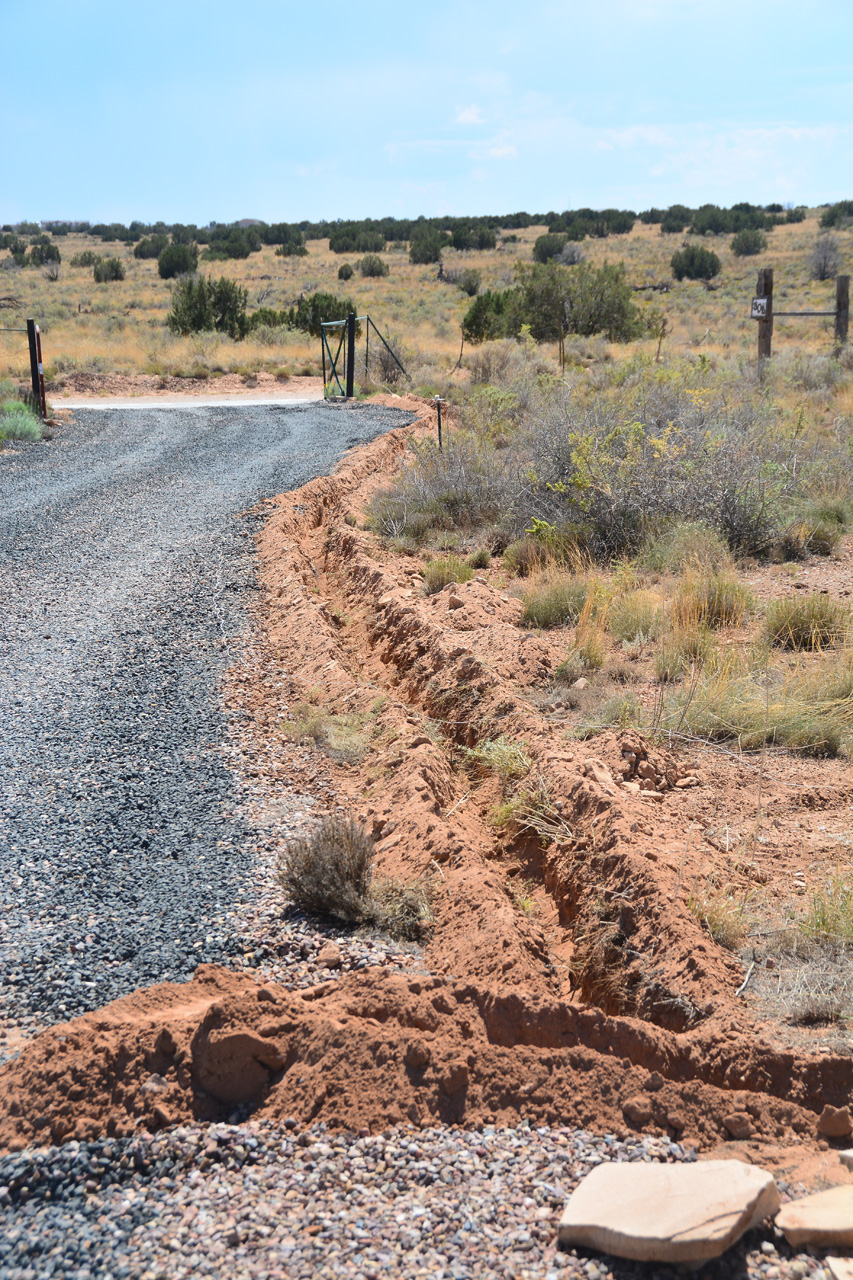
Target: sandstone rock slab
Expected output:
[840,1268]
[825,1218]
[668,1212]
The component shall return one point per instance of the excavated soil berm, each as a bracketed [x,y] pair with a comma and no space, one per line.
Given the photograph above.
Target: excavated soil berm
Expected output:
[662,1041]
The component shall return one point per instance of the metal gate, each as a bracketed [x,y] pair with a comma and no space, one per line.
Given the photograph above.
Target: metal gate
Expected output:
[344,362]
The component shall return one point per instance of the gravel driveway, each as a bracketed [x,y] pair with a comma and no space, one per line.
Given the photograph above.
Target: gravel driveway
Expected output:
[125,567]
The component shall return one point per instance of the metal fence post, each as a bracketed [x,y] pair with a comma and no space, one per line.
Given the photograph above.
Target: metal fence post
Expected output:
[350,355]
[765,326]
[34,361]
[842,309]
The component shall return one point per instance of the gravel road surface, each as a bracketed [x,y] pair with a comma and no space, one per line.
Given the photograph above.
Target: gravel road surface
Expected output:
[125,567]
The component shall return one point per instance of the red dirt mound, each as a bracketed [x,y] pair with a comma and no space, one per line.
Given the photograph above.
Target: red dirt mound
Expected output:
[374,1049]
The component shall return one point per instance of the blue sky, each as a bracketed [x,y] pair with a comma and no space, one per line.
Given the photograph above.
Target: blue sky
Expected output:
[193,111]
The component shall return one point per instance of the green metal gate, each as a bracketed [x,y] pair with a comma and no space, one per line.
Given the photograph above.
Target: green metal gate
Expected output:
[344,363]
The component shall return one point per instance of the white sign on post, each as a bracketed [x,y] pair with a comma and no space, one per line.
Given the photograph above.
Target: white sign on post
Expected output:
[759,308]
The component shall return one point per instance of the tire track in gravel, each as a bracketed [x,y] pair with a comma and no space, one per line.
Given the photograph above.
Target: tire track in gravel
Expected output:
[123,579]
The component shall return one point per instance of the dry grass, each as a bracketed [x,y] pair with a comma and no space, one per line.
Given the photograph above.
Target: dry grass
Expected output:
[439,574]
[715,599]
[812,622]
[722,911]
[499,755]
[555,599]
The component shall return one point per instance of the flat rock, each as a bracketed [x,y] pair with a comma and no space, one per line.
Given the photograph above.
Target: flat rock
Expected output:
[825,1218]
[846,1157]
[667,1212]
[840,1268]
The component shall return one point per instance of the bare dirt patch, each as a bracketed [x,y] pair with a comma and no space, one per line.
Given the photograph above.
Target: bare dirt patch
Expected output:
[152,387]
[573,979]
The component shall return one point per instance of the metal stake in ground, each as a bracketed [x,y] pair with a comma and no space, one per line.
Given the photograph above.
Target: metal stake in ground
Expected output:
[438,403]
[350,355]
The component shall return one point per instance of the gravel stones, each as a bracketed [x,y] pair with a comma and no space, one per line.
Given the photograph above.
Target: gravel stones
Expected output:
[665,1213]
[123,849]
[244,1200]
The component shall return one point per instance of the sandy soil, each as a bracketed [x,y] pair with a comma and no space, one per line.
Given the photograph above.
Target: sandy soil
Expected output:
[143,389]
[573,981]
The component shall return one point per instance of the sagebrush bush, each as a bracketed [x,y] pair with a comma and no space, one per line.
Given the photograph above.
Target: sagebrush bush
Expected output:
[330,873]
[17,420]
[811,622]
[108,269]
[372,265]
[345,271]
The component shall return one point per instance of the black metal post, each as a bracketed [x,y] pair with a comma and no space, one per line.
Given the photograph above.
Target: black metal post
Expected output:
[42,397]
[350,355]
[765,326]
[438,410]
[34,360]
[842,309]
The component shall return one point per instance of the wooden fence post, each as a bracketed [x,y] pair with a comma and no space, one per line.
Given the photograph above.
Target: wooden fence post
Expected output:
[764,289]
[842,308]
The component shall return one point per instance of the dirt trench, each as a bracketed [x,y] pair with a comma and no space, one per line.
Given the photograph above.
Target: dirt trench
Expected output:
[571,981]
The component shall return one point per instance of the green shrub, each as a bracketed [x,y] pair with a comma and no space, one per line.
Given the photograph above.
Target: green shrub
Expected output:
[556,300]
[199,305]
[555,601]
[371,265]
[177,260]
[440,573]
[43,251]
[87,258]
[469,281]
[548,246]
[748,242]
[150,247]
[106,269]
[309,313]
[17,420]
[345,271]
[490,316]
[810,622]
[427,245]
[480,559]
[695,263]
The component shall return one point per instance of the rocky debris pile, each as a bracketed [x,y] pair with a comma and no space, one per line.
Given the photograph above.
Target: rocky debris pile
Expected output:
[247,1200]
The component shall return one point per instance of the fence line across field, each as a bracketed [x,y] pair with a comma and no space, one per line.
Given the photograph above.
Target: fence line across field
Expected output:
[762,311]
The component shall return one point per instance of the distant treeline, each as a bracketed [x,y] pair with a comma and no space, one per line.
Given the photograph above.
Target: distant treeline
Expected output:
[427,237]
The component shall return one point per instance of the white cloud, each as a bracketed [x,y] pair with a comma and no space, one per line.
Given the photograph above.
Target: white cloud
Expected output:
[470,115]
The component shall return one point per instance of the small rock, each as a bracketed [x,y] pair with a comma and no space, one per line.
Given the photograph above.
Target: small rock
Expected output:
[581,683]
[637,1110]
[330,956]
[835,1122]
[597,770]
[739,1125]
[667,1213]
[825,1218]
[840,1268]
[689,781]
[453,602]
[846,1157]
